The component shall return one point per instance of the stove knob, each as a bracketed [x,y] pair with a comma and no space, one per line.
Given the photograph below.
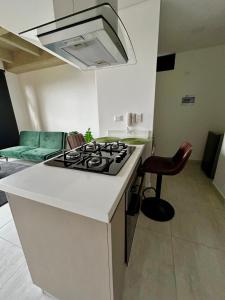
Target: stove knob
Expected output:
[123,153]
[118,158]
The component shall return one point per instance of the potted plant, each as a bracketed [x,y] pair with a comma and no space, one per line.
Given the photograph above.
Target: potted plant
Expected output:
[88,136]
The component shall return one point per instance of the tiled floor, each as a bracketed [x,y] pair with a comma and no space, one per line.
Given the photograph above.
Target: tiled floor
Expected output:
[15,280]
[183,259]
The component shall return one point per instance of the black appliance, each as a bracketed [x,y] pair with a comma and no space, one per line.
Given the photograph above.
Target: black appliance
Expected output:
[106,158]
[133,200]
[9,134]
[211,153]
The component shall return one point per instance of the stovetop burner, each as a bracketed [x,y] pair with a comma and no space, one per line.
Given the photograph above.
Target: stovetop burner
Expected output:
[115,146]
[94,161]
[73,155]
[91,147]
[107,158]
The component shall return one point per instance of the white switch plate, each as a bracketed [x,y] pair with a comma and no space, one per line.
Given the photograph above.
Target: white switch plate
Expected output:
[118,118]
[139,118]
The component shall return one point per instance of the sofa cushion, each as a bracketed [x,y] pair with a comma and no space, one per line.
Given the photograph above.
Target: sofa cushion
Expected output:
[15,152]
[40,154]
[30,138]
[52,140]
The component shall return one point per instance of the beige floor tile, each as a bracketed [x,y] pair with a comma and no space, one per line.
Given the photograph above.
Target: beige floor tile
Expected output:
[190,203]
[5,215]
[200,271]
[150,274]
[160,227]
[11,258]
[214,197]
[186,194]
[9,233]
[203,227]
[20,287]
[192,196]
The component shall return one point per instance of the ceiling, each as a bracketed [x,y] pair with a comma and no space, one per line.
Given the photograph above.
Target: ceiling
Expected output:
[191,24]
[184,25]
[126,3]
[19,56]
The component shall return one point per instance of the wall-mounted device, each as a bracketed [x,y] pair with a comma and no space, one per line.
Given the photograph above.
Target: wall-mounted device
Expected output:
[133,118]
[188,99]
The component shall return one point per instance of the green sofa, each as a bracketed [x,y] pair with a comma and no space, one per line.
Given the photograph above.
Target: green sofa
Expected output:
[36,146]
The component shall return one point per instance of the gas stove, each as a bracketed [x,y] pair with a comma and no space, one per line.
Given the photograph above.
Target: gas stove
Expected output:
[106,158]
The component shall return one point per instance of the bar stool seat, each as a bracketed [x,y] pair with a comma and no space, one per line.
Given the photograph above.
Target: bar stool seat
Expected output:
[154,207]
[159,165]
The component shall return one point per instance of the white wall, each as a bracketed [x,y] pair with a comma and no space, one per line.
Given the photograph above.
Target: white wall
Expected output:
[132,88]
[61,98]
[18,102]
[200,73]
[219,180]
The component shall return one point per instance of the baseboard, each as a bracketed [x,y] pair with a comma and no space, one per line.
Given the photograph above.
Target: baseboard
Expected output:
[219,191]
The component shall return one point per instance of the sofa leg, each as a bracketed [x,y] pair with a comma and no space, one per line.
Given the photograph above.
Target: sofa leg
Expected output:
[7,159]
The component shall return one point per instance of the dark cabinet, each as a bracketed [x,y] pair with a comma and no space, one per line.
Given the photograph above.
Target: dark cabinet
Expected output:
[211,153]
[9,135]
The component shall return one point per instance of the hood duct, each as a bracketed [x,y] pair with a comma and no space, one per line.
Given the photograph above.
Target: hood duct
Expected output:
[89,39]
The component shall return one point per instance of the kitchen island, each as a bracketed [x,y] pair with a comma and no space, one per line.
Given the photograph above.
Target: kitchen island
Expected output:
[72,228]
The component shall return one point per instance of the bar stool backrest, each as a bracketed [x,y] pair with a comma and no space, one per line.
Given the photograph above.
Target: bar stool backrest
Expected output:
[181,157]
[75,140]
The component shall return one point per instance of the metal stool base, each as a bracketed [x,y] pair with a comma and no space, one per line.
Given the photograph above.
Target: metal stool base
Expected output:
[157,209]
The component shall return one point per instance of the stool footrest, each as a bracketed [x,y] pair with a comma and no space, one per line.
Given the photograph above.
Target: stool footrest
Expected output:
[146,189]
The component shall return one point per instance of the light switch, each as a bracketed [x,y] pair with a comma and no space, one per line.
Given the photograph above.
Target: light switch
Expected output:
[118,118]
[139,118]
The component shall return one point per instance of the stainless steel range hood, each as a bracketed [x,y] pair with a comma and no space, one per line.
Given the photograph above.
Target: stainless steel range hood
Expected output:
[90,39]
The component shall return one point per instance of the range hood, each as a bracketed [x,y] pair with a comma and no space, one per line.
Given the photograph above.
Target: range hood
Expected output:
[89,39]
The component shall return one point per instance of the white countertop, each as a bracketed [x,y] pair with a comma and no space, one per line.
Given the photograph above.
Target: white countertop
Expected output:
[85,193]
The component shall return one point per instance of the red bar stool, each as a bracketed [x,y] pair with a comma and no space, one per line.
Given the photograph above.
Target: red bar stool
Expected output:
[156,208]
[75,140]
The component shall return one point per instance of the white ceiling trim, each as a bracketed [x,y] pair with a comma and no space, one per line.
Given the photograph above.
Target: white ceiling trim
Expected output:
[124,4]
